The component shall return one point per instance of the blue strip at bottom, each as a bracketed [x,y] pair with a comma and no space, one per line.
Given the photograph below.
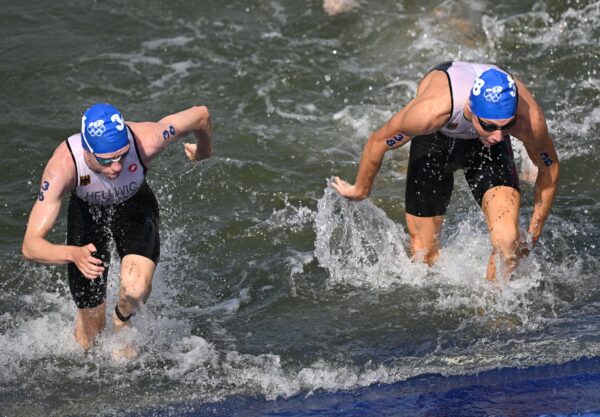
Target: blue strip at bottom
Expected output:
[570,389]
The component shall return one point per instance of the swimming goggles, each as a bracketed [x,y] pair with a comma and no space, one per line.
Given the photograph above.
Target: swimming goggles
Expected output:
[490,127]
[108,161]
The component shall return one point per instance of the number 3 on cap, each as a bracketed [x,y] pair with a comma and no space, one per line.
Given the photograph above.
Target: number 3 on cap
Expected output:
[117,118]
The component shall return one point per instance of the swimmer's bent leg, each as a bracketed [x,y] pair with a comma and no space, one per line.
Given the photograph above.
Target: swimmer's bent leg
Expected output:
[492,176]
[136,233]
[85,225]
[429,185]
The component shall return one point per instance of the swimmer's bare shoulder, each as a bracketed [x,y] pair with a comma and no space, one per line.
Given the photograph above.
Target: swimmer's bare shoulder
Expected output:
[431,107]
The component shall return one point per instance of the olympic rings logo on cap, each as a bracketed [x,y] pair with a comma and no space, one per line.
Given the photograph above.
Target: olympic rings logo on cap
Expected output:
[96,128]
[493,94]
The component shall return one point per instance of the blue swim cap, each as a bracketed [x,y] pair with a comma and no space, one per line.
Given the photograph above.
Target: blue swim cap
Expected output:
[494,95]
[103,130]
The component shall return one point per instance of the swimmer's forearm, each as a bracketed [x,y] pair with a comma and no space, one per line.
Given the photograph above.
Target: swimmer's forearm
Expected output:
[39,250]
[368,168]
[545,189]
[204,136]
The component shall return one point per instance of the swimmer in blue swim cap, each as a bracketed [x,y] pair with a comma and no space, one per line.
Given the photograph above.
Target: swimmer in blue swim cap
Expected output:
[462,117]
[102,169]
[103,130]
[105,137]
[493,101]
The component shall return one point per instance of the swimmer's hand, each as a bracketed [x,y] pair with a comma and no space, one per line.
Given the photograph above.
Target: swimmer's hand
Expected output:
[195,153]
[90,267]
[347,190]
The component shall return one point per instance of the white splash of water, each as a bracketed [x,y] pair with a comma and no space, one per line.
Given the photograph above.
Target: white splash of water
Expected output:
[290,218]
[360,246]
[547,32]
[177,41]
[357,243]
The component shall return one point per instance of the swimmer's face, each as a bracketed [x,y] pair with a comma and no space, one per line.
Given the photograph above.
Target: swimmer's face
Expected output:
[109,165]
[490,131]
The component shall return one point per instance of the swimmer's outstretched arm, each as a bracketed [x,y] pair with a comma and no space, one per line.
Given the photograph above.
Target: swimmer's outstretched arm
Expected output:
[419,116]
[540,148]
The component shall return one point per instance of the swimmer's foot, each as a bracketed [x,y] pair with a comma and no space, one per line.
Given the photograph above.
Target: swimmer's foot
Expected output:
[333,7]
[124,352]
[125,347]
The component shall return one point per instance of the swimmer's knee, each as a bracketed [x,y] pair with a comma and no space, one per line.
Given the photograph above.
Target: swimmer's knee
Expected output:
[136,294]
[506,242]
